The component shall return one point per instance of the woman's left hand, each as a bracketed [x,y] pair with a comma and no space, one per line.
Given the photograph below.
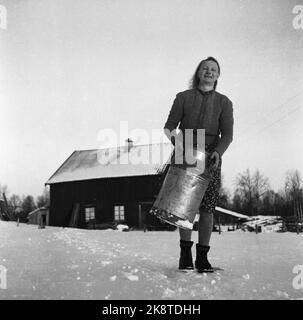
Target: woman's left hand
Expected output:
[215,156]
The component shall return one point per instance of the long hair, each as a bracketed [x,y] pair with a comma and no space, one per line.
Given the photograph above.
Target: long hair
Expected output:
[195,80]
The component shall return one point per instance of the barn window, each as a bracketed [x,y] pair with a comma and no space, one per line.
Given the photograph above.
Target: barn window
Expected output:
[119,213]
[89,213]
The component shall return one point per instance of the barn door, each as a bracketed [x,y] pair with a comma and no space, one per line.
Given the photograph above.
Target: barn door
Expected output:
[143,210]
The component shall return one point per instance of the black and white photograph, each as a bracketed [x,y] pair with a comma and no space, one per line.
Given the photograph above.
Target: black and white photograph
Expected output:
[150,150]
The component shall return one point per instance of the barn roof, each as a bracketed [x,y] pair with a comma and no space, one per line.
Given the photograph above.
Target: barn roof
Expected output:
[137,160]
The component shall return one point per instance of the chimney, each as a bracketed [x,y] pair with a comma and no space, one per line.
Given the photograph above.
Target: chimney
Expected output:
[129,144]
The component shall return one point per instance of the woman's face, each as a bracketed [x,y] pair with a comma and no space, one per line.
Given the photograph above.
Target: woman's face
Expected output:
[208,72]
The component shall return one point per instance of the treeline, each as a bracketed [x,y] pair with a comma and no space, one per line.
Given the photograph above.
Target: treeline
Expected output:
[253,195]
[20,207]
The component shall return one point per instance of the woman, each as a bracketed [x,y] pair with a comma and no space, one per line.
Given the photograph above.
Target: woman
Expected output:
[202,107]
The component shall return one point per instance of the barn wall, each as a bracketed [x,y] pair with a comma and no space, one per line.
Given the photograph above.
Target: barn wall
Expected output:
[103,194]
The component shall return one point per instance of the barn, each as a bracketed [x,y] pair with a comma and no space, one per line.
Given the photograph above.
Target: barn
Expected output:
[102,187]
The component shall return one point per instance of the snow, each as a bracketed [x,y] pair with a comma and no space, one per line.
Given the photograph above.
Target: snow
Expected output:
[68,263]
[113,278]
[132,277]
[185,224]
[246,276]
[267,223]
[122,227]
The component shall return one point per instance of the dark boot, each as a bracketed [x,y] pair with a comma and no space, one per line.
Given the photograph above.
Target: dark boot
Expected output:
[186,259]
[201,263]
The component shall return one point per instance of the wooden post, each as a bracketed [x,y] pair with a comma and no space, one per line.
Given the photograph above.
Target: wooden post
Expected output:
[140,215]
[297,215]
[42,220]
[75,216]
[301,218]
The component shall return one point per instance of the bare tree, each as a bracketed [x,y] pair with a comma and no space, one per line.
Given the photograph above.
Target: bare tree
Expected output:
[294,191]
[44,199]
[15,205]
[244,191]
[261,184]
[15,202]
[28,205]
[293,183]
[224,196]
[249,189]
[3,189]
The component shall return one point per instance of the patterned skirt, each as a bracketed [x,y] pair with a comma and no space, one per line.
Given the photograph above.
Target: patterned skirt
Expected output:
[211,195]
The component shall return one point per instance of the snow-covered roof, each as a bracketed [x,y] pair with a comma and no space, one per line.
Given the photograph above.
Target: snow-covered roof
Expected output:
[260,219]
[139,160]
[233,213]
[37,211]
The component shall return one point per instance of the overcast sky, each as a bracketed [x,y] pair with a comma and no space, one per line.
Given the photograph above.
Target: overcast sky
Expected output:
[69,68]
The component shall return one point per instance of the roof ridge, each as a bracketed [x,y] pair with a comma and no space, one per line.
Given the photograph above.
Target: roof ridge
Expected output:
[123,146]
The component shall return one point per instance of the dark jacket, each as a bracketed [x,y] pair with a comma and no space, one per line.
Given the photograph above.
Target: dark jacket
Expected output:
[212,111]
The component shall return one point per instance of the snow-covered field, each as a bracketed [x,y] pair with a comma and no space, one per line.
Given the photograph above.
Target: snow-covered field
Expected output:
[66,263]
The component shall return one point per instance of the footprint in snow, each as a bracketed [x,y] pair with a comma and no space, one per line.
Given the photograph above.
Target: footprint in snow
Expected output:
[131,277]
[168,293]
[113,278]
